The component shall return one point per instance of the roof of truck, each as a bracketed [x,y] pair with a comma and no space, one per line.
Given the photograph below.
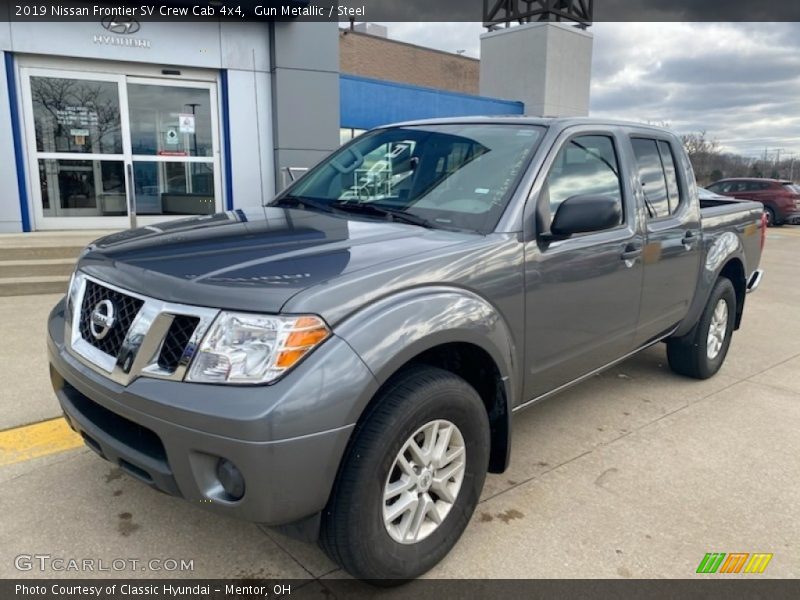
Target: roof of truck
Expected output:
[559,122]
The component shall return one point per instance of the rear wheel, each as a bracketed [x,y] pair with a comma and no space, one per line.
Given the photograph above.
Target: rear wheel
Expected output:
[701,352]
[411,479]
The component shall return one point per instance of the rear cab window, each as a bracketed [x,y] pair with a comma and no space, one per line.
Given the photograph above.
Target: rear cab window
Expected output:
[658,176]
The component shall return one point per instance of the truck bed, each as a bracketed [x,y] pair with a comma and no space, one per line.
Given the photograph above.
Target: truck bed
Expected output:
[742,217]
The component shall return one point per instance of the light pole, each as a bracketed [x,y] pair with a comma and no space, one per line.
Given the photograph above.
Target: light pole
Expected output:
[193,106]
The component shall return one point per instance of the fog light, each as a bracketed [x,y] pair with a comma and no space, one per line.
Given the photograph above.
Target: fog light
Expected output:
[231,478]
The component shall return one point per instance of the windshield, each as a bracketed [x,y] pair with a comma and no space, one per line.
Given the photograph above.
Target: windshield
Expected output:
[457,176]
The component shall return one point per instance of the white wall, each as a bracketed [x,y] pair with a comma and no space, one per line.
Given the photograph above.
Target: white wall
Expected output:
[545,65]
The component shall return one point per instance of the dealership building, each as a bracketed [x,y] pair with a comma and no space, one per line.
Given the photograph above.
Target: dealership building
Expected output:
[108,122]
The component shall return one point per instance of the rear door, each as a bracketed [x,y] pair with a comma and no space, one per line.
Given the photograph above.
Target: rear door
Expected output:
[672,251]
[582,294]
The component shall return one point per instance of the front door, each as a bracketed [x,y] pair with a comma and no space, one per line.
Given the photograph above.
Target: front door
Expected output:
[583,292]
[110,150]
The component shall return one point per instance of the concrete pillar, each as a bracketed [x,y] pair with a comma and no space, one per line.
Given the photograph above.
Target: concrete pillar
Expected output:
[545,65]
[305,93]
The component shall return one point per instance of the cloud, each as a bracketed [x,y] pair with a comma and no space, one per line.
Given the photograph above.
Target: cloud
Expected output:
[740,82]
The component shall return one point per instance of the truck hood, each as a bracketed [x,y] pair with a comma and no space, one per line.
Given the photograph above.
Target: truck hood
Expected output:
[253,259]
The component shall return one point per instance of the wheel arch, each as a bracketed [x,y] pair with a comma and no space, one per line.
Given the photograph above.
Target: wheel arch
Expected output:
[452,329]
[734,271]
[724,257]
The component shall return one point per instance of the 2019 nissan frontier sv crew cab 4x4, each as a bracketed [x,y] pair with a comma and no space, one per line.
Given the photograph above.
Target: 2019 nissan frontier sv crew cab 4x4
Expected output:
[345,360]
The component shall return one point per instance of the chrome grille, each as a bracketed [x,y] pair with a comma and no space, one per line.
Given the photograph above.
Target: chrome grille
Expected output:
[174,346]
[148,337]
[125,309]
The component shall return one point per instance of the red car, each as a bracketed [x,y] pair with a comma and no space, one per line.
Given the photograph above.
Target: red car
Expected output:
[781,199]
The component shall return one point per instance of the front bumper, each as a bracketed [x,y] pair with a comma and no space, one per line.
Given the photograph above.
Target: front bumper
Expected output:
[286,439]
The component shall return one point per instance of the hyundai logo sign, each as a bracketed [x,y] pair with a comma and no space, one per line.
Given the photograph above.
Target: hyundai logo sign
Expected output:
[120,25]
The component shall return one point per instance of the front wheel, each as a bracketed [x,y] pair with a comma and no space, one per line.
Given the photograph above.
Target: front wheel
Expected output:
[411,478]
[701,352]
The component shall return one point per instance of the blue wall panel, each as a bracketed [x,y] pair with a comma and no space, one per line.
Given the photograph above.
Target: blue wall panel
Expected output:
[367,103]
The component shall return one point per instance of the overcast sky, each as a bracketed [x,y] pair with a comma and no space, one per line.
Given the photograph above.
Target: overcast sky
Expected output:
[738,81]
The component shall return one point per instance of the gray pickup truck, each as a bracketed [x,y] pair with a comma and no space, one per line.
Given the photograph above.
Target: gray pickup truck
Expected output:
[344,362]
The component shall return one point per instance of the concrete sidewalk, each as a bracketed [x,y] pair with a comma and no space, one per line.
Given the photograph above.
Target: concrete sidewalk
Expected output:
[634,473]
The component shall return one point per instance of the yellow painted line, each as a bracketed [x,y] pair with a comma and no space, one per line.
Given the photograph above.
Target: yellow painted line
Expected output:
[33,441]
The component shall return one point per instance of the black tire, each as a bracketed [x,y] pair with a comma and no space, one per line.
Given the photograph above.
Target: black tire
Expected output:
[772,219]
[353,533]
[688,355]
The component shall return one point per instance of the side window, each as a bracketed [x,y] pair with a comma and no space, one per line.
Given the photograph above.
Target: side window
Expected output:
[673,190]
[716,188]
[651,176]
[586,165]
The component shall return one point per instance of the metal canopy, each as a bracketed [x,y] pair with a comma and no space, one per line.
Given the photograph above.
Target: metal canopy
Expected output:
[499,12]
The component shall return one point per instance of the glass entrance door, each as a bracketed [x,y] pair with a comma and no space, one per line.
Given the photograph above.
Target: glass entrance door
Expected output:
[106,150]
[173,148]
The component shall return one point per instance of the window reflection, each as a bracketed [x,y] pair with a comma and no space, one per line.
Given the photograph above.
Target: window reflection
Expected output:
[174,188]
[587,165]
[73,115]
[170,121]
[651,175]
[82,187]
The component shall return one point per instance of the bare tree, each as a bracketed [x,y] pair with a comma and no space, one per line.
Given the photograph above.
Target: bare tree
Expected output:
[704,153]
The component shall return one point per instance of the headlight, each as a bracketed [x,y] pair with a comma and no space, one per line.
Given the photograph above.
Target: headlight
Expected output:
[245,348]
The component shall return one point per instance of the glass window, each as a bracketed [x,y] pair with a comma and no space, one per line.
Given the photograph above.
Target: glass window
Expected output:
[76,115]
[651,176]
[716,188]
[455,176]
[740,186]
[170,121]
[174,188]
[586,165]
[668,160]
[82,187]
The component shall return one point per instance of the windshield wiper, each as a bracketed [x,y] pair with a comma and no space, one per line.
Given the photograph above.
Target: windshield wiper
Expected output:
[304,202]
[382,211]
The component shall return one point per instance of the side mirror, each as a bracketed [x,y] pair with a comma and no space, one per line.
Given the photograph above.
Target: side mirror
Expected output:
[582,214]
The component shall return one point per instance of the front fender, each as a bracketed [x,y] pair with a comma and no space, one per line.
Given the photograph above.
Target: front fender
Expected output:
[390,332]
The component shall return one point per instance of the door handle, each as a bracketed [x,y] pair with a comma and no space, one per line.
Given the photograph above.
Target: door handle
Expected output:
[688,240]
[631,252]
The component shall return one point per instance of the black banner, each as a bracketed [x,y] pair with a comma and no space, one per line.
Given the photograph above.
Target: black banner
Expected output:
[218,589]
[497,11]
